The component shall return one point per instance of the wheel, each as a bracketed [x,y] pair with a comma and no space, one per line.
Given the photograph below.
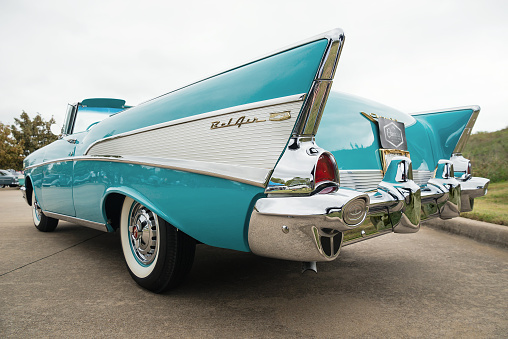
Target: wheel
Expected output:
[2,186]
[158,256]
[42,222]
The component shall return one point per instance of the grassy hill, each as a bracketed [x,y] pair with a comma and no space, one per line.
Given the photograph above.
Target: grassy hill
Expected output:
[488,152]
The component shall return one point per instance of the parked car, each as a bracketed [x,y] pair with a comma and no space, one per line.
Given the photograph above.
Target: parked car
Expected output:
[21,178]
[8,179]
[18,174]
[261,158]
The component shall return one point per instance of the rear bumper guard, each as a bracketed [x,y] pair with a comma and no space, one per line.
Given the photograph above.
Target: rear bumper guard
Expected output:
[310,228]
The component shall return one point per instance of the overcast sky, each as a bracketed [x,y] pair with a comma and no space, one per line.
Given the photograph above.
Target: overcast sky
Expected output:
[411,55]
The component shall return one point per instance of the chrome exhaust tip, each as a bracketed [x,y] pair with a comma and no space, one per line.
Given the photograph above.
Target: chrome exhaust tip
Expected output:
[309,266]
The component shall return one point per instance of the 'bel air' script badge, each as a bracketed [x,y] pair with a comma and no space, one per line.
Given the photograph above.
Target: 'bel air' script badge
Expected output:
[239,122]
[279,116]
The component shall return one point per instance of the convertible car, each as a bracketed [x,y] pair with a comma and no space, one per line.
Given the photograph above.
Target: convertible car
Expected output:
[261,158]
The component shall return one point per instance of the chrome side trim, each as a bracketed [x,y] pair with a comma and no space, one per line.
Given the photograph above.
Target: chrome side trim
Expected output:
[50,162]
[310,117]
[234,109]
[247,138]
[292,177]
[467,131]
[87,223]
[247,175]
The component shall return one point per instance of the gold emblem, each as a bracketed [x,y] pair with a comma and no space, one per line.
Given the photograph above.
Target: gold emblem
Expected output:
[239,122]
[280,116]
[373,116]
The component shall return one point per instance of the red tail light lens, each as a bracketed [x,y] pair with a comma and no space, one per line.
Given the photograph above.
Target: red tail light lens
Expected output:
[325,169]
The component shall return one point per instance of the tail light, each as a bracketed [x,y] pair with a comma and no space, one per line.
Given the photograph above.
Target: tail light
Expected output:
[469,170]
[326,171]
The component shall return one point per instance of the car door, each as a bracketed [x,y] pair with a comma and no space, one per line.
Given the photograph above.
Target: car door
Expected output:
[58,175]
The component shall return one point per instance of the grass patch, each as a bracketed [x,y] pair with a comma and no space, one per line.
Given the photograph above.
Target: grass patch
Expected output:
[493,207]
[488,152]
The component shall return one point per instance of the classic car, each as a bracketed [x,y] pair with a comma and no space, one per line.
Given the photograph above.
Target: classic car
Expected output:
[8,179]
[261,158]
[21,179]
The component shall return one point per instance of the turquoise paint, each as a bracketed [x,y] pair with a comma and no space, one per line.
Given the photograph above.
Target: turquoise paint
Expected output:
[444,129]
[212,210]
[287,73]
[349,136]
[104,103]
[354,140]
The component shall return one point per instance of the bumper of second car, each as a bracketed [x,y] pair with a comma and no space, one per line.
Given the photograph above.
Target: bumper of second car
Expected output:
[310,228]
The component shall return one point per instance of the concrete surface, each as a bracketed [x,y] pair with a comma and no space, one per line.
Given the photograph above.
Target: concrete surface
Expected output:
[73,283]
[480,231]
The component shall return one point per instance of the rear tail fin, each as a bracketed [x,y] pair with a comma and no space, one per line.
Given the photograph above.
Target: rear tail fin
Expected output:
[448,129]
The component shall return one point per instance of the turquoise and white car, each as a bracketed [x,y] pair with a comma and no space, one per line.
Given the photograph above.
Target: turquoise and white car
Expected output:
[261,158]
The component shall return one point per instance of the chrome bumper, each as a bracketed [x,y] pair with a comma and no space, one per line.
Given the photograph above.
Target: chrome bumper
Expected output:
[307,228]
[310,228]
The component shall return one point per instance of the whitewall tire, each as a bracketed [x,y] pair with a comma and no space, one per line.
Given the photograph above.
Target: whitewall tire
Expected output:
[158,256]
[42,222]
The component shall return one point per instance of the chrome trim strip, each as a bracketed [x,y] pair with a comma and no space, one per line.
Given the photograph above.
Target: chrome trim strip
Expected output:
[310,117]
[467,131]
[234,109]
[50,162]
[314,106]
[82,222]
[247,175]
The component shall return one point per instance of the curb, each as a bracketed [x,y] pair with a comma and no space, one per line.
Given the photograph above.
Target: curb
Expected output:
[480,231]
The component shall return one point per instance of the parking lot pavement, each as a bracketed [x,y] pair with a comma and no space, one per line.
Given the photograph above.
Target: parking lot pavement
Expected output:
[73,282]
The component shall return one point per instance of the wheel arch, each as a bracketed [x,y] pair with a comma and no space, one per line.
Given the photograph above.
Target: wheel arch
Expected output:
[29,189]
[113,201]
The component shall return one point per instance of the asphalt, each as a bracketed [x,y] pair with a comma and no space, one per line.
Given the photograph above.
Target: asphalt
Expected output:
[73,283]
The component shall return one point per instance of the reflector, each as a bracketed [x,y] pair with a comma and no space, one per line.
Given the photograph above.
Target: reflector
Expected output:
[325,169]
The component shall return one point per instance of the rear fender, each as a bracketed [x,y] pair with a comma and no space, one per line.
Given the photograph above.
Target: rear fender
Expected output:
[137,196]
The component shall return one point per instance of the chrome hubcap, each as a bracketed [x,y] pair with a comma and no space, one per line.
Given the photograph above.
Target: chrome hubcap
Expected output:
[37,210]
[143,228]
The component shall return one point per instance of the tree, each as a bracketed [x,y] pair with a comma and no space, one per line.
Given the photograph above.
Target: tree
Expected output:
[34,134]
[11,152]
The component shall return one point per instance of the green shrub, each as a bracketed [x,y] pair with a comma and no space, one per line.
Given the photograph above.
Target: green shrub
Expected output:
[488,152]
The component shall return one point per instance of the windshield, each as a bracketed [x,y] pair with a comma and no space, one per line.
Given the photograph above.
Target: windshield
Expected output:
[87,116]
